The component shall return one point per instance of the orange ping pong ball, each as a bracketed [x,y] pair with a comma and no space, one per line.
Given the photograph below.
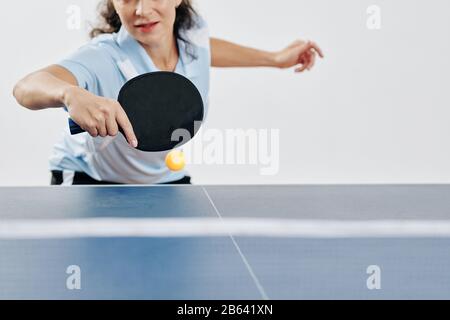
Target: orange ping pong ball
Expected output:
[175,160]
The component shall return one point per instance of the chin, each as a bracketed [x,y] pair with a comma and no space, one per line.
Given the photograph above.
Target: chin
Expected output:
[150,39]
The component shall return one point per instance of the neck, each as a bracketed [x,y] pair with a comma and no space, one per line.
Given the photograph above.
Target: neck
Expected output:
[164,55]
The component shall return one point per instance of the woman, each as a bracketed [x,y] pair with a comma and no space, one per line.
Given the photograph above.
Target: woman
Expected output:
[138,36]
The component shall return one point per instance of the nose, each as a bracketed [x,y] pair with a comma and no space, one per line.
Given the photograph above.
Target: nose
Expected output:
[144,7]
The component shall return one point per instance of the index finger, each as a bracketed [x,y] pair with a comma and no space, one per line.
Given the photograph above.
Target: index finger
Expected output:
[127,127]
[313,45]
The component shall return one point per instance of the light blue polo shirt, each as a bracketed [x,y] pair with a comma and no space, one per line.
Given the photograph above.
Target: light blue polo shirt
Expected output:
[102,67]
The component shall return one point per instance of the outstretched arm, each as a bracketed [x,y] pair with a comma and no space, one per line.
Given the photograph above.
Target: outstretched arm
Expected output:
[300,54]
[55,87]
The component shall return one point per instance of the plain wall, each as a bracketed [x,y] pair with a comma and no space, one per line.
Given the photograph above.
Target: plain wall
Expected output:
[376,110]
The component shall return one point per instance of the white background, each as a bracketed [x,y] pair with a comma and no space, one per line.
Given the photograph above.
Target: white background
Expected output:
[375,111]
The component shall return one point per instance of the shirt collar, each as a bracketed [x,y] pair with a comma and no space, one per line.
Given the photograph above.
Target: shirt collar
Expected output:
[143,63]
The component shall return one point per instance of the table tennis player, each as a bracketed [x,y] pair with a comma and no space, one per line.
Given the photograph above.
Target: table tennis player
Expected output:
[134,37]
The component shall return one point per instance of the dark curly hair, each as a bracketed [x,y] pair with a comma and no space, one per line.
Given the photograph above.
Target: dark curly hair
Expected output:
[110,21]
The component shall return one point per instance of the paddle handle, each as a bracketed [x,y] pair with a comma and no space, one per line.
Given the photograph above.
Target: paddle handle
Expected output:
[75,128]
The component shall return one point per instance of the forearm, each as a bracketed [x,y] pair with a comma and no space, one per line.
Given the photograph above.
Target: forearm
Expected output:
[41,90]
[227,54]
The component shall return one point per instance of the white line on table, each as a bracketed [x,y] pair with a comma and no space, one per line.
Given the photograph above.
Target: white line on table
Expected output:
[258,284]
[212,227]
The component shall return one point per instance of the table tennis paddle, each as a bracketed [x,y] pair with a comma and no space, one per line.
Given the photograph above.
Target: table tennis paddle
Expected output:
[158,104]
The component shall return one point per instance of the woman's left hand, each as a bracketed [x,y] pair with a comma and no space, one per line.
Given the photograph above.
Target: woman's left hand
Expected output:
[300,53]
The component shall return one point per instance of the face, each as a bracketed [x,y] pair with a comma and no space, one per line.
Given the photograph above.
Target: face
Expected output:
[148,21]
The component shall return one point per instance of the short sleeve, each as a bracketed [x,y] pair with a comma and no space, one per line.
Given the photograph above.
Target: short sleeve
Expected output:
[78,64]
[84,77]
[86,66]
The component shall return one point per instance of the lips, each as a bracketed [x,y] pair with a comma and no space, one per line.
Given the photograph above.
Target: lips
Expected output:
[147,27]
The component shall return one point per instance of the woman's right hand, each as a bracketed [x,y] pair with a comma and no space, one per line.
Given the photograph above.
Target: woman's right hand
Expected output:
[98,116]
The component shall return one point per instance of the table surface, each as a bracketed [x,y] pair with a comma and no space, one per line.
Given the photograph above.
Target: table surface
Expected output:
[225,242]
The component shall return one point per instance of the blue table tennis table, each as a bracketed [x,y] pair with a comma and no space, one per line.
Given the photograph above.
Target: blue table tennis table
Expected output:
[225,242]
